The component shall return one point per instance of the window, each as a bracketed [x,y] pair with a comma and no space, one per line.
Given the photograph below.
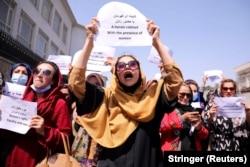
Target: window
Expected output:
[25,30]
[6,14]
[46,10]
[64,33]
[35,3]
[42,44]
[57,23]
[53,49]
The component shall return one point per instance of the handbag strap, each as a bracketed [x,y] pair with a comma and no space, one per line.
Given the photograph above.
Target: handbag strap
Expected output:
[66,150]
[66,144]
[65,139]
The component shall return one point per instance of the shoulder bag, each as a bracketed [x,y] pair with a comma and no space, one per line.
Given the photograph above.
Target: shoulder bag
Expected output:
[60,159]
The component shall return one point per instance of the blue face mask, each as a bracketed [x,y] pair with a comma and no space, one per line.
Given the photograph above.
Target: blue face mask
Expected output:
[195,96]
[19,79]
[37,90]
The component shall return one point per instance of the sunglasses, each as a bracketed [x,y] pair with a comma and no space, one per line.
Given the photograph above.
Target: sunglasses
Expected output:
[182,95]
[121,66]
[228,88]
[44,72]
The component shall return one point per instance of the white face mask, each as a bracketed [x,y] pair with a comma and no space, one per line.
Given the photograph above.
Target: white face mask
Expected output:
[37,90]
[195,96]
[19,79]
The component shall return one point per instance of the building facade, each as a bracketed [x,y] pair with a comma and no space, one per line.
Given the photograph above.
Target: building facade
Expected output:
[243,80]
[31,30]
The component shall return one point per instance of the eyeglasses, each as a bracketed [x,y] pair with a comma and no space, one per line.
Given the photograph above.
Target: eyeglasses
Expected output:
[121,66]
[182,95]
[228,88]
[44,72]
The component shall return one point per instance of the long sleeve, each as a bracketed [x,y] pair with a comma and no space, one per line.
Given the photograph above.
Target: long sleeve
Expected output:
[76,82]
[172,80]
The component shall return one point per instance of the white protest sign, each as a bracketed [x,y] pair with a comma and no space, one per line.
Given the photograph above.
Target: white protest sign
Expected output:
[99,55]
[16,114]
[13,90]
[214,76]
[230,107]
[154,56]
[122,25]
[197,105]
[62,61]
[157,76]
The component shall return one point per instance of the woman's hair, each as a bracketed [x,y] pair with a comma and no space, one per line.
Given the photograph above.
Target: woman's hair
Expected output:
[193,82]
[228,80]
[98,77]
[190,89]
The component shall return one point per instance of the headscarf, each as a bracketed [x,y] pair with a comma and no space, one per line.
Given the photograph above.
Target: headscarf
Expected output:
[98,77]
[46,104]
[13,67]
[120,112]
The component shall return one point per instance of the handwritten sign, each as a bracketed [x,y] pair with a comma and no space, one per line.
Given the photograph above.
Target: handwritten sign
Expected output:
[230,107]
[122,25]
[99,55]
[214,76]
[15,114]
[62,61]
[13,90]
[154,56]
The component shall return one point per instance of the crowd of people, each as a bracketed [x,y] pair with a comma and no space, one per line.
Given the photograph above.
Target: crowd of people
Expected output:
[131,123]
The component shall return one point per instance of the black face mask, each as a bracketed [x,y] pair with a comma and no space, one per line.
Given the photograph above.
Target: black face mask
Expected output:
[131,89]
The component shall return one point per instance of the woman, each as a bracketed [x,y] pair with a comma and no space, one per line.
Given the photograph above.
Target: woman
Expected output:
[124,119]
[20,73]
[52,119]
[84,149]
[227,134]
[197,92]
[182,129]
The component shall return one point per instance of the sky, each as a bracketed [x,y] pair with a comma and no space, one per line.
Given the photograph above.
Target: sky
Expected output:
[203,35]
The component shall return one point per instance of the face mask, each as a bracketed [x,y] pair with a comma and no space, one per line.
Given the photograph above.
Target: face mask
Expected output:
[19,79]
[195,96]
[37,90]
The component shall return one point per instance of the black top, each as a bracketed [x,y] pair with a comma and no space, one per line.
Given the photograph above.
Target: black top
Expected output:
[142,148]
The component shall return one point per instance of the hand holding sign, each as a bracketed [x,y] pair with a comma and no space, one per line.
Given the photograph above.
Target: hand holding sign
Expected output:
[122,25]
[231,107]
[98,59]
[16,114]
[214,76]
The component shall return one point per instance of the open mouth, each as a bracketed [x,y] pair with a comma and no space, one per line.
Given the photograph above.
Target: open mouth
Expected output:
[128,75]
